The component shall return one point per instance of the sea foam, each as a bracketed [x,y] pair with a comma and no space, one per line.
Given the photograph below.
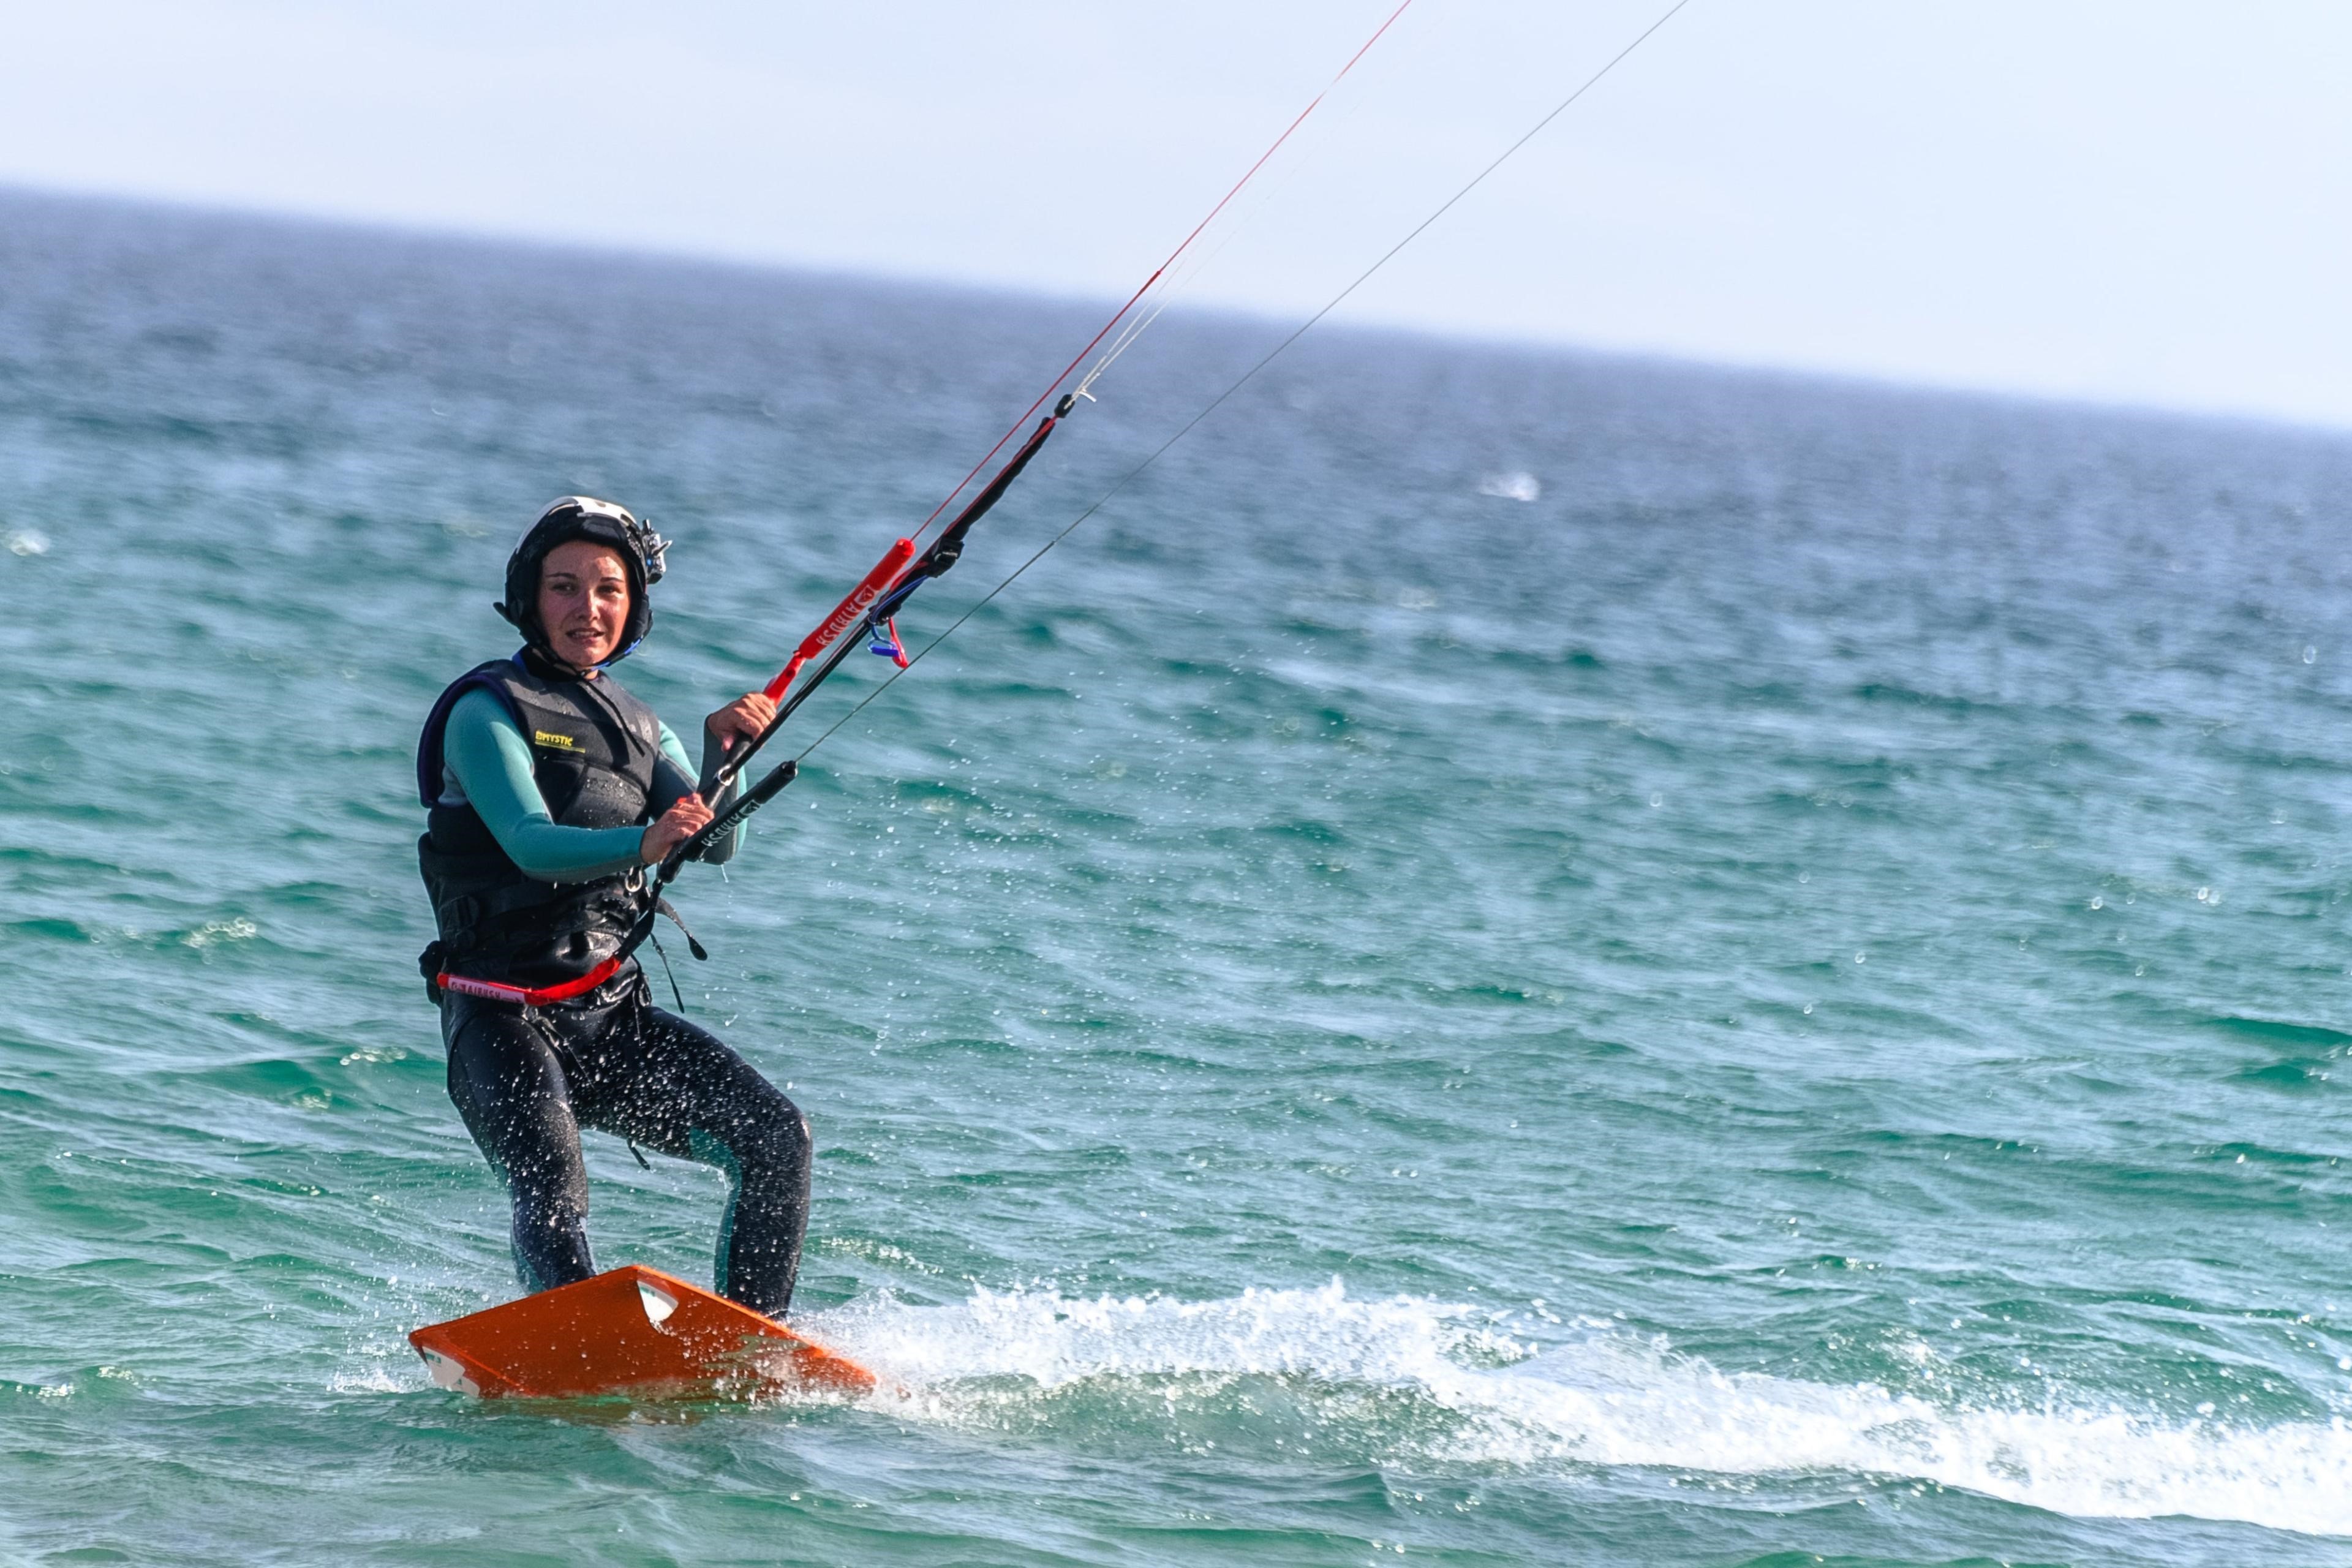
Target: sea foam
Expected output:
[1492,1400]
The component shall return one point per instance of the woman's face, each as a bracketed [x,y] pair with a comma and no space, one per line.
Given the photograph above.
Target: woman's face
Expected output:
[583,601]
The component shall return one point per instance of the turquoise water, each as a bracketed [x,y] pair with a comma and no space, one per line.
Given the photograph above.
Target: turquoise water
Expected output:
[1510,958]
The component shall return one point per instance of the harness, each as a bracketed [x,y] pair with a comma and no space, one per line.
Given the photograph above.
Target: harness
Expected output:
[594,749]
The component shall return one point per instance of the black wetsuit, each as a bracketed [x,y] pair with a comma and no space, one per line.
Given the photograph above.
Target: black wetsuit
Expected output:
[614,1062]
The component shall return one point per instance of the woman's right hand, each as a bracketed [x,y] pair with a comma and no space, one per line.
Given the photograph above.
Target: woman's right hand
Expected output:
[672,829]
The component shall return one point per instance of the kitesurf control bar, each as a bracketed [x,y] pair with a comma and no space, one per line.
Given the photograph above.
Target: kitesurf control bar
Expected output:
[871,604]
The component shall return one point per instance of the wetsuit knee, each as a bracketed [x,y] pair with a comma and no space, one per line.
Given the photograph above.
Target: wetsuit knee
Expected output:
[757,1144]
[779,1138]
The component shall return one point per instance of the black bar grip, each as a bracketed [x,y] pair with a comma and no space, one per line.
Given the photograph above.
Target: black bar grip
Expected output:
[727,821]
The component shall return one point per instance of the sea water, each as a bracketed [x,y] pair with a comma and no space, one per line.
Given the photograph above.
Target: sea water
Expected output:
[1508,957]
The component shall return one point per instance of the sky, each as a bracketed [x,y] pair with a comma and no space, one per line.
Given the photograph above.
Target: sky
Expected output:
[2141,203]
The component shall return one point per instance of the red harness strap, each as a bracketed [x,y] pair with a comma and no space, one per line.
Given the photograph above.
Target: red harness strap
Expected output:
[538,997]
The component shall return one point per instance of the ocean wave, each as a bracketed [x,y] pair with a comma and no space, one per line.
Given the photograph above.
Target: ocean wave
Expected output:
[1419,1383]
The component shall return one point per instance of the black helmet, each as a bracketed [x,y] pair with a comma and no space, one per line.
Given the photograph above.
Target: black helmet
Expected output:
[606,522]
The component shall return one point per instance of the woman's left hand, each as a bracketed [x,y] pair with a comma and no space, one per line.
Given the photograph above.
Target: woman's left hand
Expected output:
[742,720]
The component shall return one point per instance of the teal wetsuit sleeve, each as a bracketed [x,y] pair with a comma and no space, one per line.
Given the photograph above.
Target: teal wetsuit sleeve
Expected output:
[673,775]
[669,789]
[490,760]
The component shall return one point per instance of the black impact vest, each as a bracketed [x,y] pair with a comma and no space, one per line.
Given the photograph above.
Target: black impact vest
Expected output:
[593,750]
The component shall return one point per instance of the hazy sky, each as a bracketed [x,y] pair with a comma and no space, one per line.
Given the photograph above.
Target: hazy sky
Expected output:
[2141,202]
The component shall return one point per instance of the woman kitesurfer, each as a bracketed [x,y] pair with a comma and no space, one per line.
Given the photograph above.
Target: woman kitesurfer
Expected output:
[551,790]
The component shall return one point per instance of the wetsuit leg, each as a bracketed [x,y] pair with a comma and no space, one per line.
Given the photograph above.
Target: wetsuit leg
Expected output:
[512,1090]
[676,1088]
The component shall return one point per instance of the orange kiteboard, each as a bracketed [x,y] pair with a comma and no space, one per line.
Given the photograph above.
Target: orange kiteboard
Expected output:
[631,1329]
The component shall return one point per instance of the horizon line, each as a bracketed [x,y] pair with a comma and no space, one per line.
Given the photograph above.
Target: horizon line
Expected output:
[652,253]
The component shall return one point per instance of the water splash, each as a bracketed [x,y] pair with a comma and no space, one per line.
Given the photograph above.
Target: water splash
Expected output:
[1457,1385]
[1518,486]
